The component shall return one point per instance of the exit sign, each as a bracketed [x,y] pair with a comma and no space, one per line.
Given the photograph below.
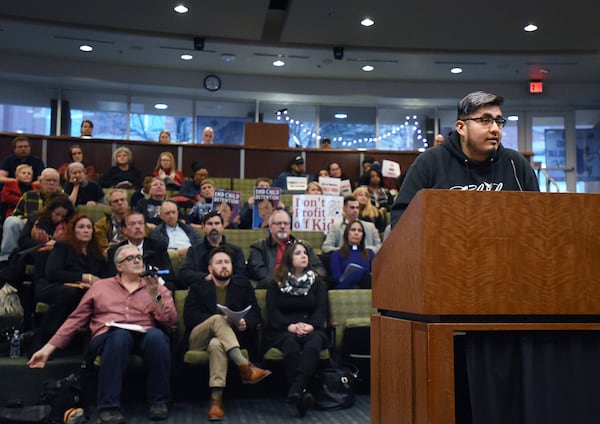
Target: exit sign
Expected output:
[536,87]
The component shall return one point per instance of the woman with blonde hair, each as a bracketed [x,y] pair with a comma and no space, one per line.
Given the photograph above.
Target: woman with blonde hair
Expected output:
[368,212]
[123,174]
[165,170]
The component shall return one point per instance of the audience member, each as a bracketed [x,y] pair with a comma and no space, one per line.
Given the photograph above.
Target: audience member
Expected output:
[209,329]
[123,174]
[29,204]
[335,235]
[367,163]
[150,207]
[323,172]
[265,210]
[351,264]
[165,170]
[76,155]
[326,143]
[191,189]
[380,196]
[439,139]
[108,228]
[314,188]
[296,170]
[471,158]
[266,255]
[226,211]
[21,155]
[153,251]
[86,128]
[73,265]
[246,214]
[368,211]
[195,265]
[208,135]
[13,189]
[144,191]
[203,205]
[296,317]
[129,299]
[335,171]
[81,191]
[164,137]
[177,235]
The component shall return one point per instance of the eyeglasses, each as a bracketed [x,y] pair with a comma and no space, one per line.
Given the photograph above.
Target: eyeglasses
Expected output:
[131,258]
[486,121]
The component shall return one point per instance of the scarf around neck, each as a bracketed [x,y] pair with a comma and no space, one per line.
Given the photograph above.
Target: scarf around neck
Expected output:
[299,286]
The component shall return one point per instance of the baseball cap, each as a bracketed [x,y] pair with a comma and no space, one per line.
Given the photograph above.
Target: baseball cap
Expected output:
[298,160]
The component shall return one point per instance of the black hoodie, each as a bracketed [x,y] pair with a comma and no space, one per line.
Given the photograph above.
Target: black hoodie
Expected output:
[447,167]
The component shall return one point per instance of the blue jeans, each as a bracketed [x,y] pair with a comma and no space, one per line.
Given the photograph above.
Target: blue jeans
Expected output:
[114,348]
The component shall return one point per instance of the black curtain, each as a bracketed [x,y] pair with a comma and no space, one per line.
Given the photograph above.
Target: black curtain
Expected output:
[534,377]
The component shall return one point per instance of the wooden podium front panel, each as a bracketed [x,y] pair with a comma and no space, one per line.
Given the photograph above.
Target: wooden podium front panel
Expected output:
[259,134]
[492,253]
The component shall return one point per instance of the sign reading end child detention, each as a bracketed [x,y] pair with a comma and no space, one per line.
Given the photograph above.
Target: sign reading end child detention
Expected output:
[316,213]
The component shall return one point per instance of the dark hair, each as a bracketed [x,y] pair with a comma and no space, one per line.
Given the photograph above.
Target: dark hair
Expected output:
[379,174]
[368,159]
[211,213]
[93,247]
[60,201]
[281,273]
[20,138]
[88,121]
[349,198]
[345,249]
[473,101]
[219,249]
[128,214]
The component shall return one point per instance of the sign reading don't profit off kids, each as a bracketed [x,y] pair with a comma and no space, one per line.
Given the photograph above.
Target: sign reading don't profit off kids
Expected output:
[315,212]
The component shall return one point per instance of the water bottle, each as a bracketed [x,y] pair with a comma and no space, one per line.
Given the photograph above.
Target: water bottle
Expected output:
[15,345]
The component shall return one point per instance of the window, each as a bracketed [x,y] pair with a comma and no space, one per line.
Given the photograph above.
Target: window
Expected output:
[147,119]
[301,119]
[227,119]
[107,111]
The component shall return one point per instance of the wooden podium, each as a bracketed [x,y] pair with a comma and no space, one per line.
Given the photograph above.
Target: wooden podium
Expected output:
[460,261]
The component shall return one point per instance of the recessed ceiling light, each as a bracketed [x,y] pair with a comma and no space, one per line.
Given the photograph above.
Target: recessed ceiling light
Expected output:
[86,48]
[278,62]
[513,118]
[228,57]
[367,68]
[180,8]
[187,57]
[161,106]
[340,115]
[530,28]
[367,22]
[456,70]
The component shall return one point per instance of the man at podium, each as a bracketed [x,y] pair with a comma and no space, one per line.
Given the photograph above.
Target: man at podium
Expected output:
[471,158]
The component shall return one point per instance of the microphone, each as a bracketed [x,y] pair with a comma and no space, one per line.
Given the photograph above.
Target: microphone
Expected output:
[153,272]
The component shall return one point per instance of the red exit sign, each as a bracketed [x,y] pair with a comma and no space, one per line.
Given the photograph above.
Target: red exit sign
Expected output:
[536,87]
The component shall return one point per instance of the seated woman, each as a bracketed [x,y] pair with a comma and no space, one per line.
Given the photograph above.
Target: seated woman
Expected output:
[76,155]
[13,189]
[164,137]
[297,311]
[38,237]
[73,266]
[314,188]
[351,264]
[166,171]
[81,191]
[123,174]
[368,212]
[380,196]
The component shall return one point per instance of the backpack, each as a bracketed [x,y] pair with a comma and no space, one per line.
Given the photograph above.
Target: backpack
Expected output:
[61,395]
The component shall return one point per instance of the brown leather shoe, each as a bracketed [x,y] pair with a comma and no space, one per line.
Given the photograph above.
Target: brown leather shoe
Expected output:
[215,412]
[251,374]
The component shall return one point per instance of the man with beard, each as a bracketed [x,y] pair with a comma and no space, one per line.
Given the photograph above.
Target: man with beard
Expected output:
[154,251]
[195,264]
[265,255]
[208,329]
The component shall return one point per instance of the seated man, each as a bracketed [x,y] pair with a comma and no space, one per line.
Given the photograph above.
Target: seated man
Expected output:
[195,265]
[176,234]
[209,329]
[21,155]
[335,235]
[154,252]
[265,255]
[296,170]
[31,202]
[128,299]
[108,228]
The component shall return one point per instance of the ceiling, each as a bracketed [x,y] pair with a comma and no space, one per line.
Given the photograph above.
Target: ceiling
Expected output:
[410,43]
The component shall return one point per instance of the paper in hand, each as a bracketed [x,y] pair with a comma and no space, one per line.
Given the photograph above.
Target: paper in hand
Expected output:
[234,316]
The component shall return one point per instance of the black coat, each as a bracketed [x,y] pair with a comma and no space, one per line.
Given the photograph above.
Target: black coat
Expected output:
[194,268]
